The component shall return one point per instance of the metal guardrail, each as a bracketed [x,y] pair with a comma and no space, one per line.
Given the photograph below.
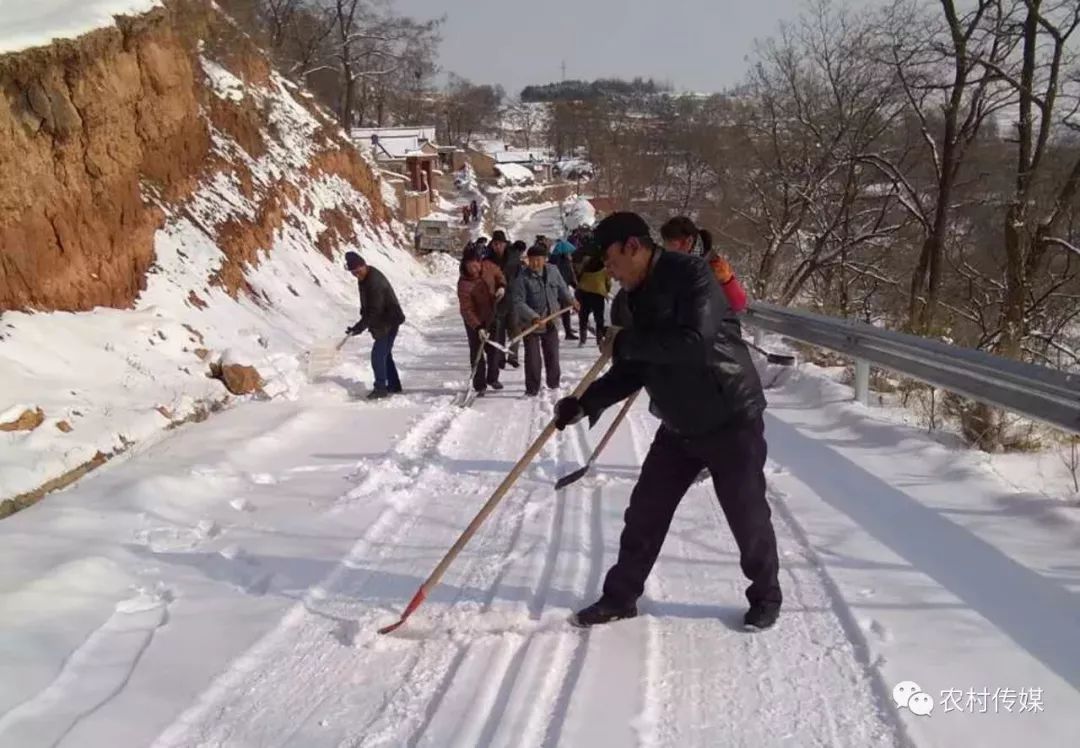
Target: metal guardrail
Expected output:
[1035,391]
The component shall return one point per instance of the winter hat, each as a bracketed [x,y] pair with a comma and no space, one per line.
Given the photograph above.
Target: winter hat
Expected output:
[618,227]
[538,250]
[519,246]
[353,261]
[498,236]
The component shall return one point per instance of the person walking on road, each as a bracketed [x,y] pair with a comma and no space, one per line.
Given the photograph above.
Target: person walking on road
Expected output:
[682,343]
[680,234]
[481,286]
[540,291]
[381,315]
[561,256]
[507,258]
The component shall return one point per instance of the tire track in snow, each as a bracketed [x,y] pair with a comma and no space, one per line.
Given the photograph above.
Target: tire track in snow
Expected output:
[508,706]
[531,713]
[591,545]
[444,678]
[244,674]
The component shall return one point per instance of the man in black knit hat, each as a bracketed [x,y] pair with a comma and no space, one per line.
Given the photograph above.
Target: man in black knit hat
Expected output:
[682,343]
[381,315]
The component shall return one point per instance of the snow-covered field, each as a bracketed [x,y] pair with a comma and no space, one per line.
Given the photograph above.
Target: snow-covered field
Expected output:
[222,587]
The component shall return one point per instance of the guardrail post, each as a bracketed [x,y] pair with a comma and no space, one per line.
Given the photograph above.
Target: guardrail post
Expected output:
[759,337]
[862,381]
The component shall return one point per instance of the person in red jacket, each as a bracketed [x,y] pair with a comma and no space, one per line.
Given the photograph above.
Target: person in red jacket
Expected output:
[480,288]
[681,235]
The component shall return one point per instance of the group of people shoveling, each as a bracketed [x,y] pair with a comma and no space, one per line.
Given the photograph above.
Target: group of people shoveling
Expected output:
[508,292]
[675,333]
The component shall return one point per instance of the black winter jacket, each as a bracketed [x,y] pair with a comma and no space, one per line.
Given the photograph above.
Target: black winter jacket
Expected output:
[380,312]
[566,268]
[510,265]
[683,344]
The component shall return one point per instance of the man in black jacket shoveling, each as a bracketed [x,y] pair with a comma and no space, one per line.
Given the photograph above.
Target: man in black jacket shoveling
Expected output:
[381,315]
[682,343]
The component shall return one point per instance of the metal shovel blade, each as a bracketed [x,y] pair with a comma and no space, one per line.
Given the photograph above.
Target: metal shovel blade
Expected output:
[780,359]
[573,477]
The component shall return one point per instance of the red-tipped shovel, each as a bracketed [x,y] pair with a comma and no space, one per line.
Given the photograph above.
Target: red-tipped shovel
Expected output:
[496,497]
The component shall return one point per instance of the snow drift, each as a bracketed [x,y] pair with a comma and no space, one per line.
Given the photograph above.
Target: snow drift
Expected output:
[176,198]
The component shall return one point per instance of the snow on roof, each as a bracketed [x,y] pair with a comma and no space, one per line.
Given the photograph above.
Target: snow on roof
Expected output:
[25,24]
[515,173]
[420,133]
[395,142]
[519,156]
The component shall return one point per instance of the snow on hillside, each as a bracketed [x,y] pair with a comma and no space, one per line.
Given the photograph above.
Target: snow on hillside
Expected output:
[35,23]
[110,378]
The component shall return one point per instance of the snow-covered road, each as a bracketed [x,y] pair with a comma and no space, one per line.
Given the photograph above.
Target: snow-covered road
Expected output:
[223,587]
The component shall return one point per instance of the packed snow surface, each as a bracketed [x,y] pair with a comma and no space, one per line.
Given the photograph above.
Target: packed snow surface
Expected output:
[36,23]
[223,586]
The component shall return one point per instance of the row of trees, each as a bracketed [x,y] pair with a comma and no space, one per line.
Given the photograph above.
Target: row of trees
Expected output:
[577,90]
[369,64]
[365,61]
[917,165]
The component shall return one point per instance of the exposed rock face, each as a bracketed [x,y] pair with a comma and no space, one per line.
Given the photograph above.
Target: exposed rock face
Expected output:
[28,421]
[241,380]
[110,132]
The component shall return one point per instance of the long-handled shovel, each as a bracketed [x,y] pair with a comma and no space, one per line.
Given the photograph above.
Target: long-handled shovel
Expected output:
[492,502]
[529,330]
[323,358]
[464,395]
[578,474]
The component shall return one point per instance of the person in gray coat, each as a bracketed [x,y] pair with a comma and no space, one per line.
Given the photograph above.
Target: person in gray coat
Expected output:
[540,291]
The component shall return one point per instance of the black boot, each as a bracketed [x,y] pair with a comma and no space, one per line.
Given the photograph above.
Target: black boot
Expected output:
[495,385]
[602,612]
[378,393]
[761,616]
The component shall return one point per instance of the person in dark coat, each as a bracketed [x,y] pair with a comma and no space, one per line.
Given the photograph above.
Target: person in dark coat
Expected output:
[481,286]
[681,235]
[538,292]
[561,258]
[508,259]
[381,315]
[682,343]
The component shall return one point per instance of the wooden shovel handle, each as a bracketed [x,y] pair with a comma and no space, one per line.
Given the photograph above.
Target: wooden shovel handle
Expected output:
[510,479]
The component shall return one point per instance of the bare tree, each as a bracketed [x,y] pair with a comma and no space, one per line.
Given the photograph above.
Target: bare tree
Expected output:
[818,108]
[936,60]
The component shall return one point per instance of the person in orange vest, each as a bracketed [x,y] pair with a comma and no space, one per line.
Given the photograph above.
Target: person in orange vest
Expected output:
[680,234]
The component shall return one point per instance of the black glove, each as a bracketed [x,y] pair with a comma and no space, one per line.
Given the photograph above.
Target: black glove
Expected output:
[568,411]
[354,329]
